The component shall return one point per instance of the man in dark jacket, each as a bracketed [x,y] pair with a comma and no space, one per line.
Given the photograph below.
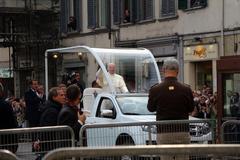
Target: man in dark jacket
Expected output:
[33,102]
[172,101]
[49,140]
[70,114]
[56,99]
[7,121]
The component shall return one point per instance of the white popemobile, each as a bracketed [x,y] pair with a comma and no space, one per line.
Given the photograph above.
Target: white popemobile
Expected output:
[107,106]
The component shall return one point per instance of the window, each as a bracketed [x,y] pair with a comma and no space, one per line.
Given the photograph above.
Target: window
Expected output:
[191,4]
[106,109]
[98,13]
[131,11]
[70,15]
[146,9]
[168,8]
[231,91]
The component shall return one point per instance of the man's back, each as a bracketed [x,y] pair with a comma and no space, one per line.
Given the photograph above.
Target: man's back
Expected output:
[8,121]
[7,117]
[171,99]
[50,113]
[32,108]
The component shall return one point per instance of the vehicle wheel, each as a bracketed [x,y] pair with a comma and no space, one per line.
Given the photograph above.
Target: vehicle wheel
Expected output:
[127,141]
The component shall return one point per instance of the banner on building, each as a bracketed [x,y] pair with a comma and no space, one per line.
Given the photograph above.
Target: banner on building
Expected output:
[201,52]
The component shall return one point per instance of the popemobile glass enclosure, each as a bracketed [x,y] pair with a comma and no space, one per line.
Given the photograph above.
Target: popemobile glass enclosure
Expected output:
[137,66]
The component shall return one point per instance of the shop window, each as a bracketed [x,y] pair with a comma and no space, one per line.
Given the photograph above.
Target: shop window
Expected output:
[98,13]
[231,91]
[70,15]
[168,8]
[191,4]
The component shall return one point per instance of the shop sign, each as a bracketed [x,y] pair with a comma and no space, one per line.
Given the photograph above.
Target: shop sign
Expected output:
[5,73]
[201,52]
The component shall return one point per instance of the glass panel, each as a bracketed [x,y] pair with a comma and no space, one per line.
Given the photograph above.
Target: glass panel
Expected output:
[204,74]
[231,90]
[135,66]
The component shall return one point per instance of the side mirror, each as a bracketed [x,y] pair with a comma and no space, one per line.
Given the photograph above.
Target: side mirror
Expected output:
[107,113]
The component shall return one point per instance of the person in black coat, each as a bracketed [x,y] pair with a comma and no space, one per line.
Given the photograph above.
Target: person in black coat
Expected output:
[33,102]
[171,100]
[50,140]
[56,99]
[7,121]
[70,114]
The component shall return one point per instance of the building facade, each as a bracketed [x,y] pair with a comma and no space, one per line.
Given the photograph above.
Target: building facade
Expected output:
[197,32]
[27,29]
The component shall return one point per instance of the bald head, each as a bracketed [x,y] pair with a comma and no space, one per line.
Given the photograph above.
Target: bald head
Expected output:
[111,68]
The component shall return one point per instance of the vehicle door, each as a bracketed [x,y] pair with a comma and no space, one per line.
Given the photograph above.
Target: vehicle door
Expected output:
[106,113]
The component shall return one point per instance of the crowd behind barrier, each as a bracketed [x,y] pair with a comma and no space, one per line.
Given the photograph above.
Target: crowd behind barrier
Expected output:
[33,143]
[205,102]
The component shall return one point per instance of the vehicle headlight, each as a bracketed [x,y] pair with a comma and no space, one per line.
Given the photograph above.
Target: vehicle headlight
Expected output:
[151,129]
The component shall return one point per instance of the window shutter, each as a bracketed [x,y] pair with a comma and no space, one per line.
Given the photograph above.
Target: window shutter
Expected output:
[148,7]
[136,14]
[182,4]
[116,11]
[91,13]
[78,13]
[64,16]
[164,7]
[171,7]
[108,14]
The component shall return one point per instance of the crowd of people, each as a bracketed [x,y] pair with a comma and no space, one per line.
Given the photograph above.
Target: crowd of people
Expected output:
[205,103]
[62,107]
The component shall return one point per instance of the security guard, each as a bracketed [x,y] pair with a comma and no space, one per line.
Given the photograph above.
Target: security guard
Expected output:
[172,101]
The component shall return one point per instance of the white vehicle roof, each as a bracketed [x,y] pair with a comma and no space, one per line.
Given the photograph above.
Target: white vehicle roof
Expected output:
[137,66]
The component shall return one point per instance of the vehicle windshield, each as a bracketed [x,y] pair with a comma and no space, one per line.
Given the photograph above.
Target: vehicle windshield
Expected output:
[136,66]
[134,105]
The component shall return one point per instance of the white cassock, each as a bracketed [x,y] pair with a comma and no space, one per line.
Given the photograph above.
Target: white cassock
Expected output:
[117,81]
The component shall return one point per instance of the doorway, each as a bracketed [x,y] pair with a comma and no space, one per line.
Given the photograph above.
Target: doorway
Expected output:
[204,76]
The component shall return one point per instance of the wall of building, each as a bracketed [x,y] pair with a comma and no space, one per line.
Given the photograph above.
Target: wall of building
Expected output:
[231,14]
[205,24]
[96,40]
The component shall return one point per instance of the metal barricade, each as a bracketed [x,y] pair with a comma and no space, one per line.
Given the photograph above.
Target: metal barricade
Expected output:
[98,135]
[190,151]
[30,143]
[230,132]
[5,154]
